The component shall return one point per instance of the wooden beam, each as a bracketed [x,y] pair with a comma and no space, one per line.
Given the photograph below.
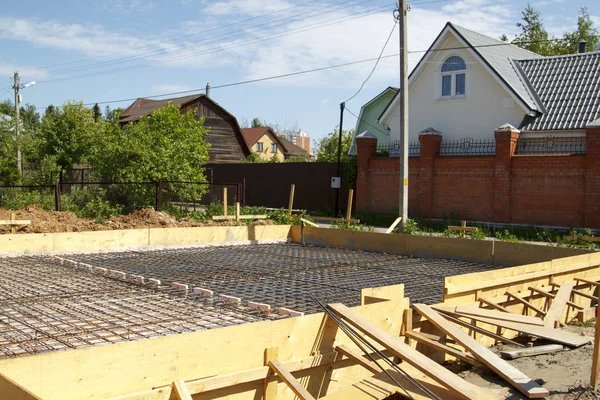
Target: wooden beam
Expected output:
[516,378]
[597,284]
[231,217]
[359,358]
[494,305]
[394,225]
[525,319]
[270,384]
[310,223]
[455,384]
[531,351]
[291,202]
[349,206]
[526,303]
[225,201]
[15,222]
[554,335]
[331,219]
[552,295]
[585,238]
[559,303]
[596,356]
[481,330]
[237,210]
[435,345]
[181,391]
[289,379]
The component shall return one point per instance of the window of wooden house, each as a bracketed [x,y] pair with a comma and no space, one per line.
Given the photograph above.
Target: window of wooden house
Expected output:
[259,147]
[273,148]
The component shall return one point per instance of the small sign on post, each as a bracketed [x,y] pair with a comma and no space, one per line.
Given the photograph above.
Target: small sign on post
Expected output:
[336,182]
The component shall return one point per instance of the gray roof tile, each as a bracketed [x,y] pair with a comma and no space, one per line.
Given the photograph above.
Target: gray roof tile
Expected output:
[568,86]
[499,56]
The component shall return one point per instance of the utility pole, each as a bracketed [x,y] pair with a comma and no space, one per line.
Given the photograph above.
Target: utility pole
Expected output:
[339,160]
[400,15]
[17,86]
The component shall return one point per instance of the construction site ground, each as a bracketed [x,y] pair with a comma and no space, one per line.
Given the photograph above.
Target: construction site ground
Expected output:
[566,374]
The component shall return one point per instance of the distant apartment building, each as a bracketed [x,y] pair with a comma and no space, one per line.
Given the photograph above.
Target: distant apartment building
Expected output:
[297,137]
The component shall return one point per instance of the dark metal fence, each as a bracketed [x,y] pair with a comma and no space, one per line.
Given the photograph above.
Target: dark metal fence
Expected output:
[92,199]
[468,147]
[552,145]
[392,149]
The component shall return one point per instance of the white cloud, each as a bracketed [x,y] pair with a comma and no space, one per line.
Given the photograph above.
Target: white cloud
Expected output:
[246,7]
[26,73]
[126,7]
[170,88]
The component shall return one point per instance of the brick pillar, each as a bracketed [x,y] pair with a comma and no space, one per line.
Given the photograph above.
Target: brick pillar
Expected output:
[429,149]
[507,137]
[366,148]
[592,175]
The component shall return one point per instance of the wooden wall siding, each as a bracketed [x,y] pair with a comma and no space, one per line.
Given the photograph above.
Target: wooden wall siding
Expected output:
[224,145]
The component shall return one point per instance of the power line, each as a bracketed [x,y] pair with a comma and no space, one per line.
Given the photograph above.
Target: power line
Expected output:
[184,36]
[376,63]
[208,40]
[214,50]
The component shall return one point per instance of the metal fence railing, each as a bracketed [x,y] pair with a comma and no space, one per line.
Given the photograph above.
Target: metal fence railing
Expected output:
[468,147]
[552,145]
[392,149]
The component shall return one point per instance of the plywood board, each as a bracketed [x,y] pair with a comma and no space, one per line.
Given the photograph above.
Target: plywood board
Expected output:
[558,306]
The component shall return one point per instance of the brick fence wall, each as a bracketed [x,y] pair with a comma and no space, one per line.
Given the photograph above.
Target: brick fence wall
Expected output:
[559,190]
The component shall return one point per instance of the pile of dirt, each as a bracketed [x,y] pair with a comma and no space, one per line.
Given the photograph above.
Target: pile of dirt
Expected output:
[44,221]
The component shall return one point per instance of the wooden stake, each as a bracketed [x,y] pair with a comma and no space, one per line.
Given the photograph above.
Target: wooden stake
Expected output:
[237,211]
[225,201]
[349,209]
[13,228]
[596,359]
[394,225]
[291,203]
[270,384]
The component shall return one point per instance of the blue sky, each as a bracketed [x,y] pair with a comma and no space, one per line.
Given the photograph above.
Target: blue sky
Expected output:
[119,49]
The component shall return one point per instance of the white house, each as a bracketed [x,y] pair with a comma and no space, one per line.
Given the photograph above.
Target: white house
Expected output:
[468,84]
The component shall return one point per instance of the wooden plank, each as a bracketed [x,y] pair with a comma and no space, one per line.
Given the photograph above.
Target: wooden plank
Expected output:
[10,389]
[291,201]
[289,379]
[331,219]
[475,328]
[307,222]
[525,319]
[559,303]
[393,225]
[231,217]
[552,295]
[462,228]
[555,335]
[585,238]
[516,378]
[526,303]
[494,305]
[435,345]
[586,314]
[424,364]
[15,222]
[577,292]
[531,351]
[181,391]
[597,284]
[270,384]
[359,358]
[596,356]
[349,207]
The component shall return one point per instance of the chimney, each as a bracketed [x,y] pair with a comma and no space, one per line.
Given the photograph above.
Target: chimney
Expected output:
[208,88]
[582,45]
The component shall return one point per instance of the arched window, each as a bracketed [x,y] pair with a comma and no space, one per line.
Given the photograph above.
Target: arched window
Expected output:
[454,71]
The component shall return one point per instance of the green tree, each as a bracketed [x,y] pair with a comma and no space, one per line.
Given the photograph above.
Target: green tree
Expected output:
[533,36]
[67,134]
[254,158]
[299,158]
[9,173]
[163,146]
[327,148]
[97,112]
[586,31]
[257,123]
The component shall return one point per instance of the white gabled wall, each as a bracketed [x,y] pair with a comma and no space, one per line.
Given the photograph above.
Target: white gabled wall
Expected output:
[476,116]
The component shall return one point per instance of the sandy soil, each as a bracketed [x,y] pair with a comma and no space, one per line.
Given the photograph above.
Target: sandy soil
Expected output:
[565,374]
[43,221]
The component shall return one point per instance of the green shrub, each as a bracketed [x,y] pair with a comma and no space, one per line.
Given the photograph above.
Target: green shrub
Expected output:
[341,225]
[89,203]
[410,227]
[16,199]
[506,236]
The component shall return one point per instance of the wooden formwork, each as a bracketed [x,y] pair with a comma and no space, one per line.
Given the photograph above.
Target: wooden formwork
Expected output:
[232,362]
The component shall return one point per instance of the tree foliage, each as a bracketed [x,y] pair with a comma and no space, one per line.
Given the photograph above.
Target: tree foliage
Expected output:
[97,112]
[9,173]
[586,31]
[327,148]
[299,158]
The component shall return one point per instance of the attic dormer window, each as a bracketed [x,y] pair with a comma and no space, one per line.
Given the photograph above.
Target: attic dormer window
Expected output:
[454,72]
